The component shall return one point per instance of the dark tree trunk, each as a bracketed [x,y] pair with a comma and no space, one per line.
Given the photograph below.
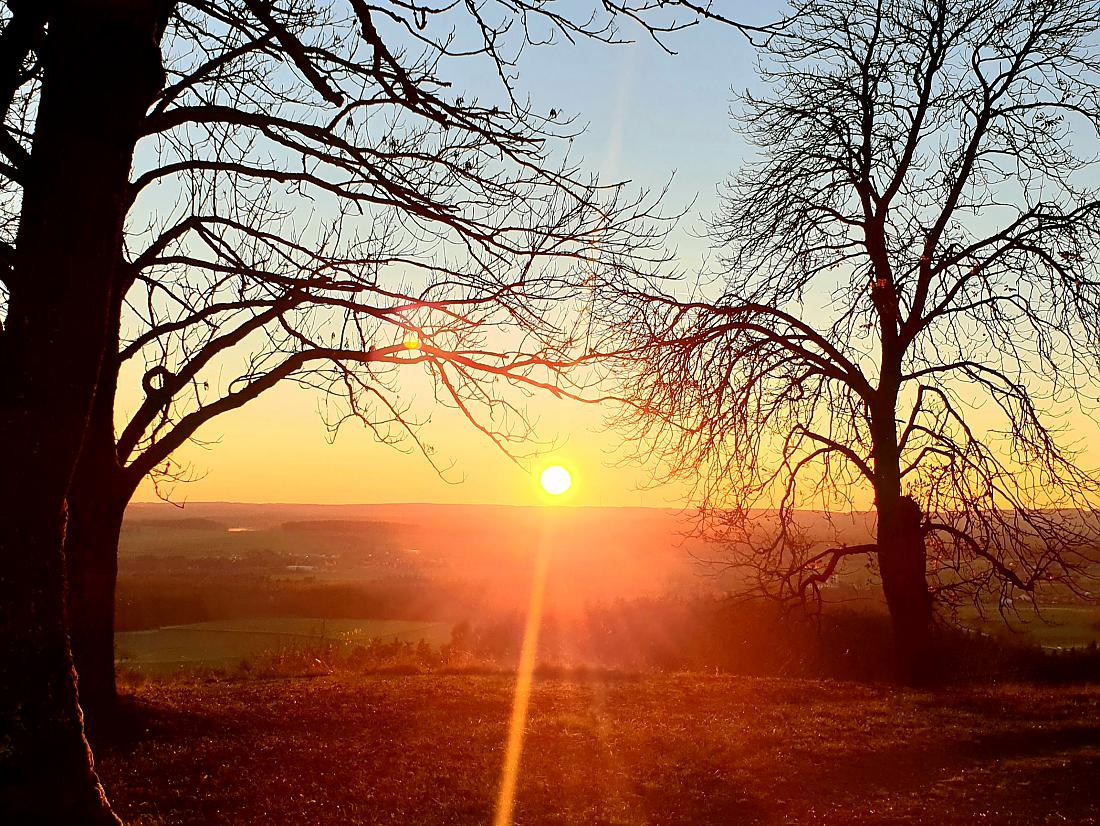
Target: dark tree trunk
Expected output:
[903,567]
[901,551]
[91,547]
[97,500]
[101,67]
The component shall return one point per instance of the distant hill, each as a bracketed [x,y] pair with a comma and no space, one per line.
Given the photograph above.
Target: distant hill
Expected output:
[466,524]
[180,524]
[341,526]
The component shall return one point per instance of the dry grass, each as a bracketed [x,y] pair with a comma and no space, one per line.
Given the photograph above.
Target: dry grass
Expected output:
[679,749]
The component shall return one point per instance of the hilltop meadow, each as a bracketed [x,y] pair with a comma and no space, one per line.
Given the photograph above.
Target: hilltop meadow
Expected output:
[605,749]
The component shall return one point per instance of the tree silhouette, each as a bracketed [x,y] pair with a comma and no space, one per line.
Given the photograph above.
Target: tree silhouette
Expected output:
[244,111]
[909,305]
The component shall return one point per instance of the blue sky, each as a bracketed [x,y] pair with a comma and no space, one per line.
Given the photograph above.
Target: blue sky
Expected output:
[651,115]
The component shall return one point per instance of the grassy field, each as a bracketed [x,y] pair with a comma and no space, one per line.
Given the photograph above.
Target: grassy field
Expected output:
[1061,626]
[602,750]
[226,644]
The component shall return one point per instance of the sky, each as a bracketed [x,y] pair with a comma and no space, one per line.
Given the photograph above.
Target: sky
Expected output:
[651,117]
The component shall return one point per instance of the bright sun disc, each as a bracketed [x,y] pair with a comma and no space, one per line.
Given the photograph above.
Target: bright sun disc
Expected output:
[555,480]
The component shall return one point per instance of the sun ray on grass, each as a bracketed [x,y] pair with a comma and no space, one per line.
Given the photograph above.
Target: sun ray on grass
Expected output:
[524,677]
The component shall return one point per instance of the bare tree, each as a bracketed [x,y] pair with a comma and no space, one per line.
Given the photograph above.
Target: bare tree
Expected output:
[107,103]
[909,303]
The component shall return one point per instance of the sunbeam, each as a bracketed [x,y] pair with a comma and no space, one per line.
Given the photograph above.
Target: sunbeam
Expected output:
[516,727]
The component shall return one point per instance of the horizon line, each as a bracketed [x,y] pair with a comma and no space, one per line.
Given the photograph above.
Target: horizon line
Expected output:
[673,508]
[181,505]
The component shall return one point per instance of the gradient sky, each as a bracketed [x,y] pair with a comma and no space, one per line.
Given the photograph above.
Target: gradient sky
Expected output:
[650,116]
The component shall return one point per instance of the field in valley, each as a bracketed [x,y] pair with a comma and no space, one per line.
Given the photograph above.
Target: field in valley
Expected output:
[220,585]
[231,644]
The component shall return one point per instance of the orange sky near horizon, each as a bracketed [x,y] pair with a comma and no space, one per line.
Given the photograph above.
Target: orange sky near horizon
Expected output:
[276,450]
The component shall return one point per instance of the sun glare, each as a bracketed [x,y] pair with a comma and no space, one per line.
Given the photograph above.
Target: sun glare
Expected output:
[555,480]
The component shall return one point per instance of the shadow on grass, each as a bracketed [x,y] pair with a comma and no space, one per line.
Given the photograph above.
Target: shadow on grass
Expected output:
[1032,742]
[136,721]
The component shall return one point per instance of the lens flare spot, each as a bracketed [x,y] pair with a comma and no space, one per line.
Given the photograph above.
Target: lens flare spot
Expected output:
[555,480]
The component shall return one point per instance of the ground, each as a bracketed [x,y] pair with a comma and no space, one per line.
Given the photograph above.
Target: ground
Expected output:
[605,749]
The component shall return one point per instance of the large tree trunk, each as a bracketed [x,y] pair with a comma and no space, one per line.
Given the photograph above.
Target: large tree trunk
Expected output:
[101,67]
[901,551]
[97,499]
[903,567]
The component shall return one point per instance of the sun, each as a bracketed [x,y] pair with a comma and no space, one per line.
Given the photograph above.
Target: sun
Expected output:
[555,480]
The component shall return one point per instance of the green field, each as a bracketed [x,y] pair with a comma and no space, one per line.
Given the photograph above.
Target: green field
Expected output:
[227,644]
[1059,627]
